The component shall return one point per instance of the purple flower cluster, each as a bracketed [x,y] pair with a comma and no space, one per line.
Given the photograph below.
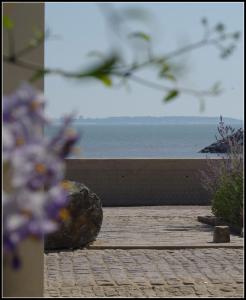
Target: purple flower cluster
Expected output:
[34,196]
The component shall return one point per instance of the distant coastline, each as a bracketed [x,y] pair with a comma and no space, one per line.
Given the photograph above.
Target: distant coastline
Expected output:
[146,120]
[144,137]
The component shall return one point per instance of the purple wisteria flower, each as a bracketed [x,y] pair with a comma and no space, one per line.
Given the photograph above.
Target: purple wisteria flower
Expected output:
[34,196]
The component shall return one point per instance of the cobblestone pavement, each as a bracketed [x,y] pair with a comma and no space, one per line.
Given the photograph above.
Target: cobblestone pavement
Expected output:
[156,225]
[145,273]
[206,272]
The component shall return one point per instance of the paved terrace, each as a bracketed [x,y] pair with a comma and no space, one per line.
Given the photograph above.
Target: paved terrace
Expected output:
[149,252]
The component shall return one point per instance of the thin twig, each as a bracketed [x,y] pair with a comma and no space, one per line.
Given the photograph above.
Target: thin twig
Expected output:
[170,55]
[161,87]
[142,81]
[11,41]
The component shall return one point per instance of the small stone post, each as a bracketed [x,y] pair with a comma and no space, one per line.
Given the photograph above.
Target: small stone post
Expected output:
[221,234]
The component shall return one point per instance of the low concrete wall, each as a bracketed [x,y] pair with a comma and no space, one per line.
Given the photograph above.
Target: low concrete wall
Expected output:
[132,182]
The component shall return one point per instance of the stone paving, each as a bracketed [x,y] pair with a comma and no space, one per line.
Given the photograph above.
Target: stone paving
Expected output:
[156,226]
[92,272]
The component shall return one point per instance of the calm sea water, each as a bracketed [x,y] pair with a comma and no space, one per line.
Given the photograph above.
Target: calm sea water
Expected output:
[142,141]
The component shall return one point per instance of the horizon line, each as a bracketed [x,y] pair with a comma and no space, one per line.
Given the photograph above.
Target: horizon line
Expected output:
[146,116]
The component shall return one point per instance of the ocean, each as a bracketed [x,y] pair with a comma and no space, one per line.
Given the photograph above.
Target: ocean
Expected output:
[142,141]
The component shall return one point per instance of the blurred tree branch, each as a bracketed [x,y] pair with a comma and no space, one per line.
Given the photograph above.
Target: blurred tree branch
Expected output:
[111,65]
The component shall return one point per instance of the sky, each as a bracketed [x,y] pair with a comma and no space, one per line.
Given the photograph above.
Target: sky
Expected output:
[80,28]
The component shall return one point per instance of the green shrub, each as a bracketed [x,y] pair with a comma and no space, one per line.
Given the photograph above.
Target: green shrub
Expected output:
[224,180]
[227,202]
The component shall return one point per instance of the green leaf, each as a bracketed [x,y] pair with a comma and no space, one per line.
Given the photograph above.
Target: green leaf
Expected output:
[100,71]
[204,21]
[165,68]
[39,35]
[7,23]
[106,80]
[165,72]
[227,51]
[140,35]
[37,75]
[169,76]
[37,39]
[104,67]
[216,88]
[220,27]
[171,95]
[236,35]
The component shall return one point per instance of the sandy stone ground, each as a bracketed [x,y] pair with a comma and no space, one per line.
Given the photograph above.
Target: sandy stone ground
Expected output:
[149,252]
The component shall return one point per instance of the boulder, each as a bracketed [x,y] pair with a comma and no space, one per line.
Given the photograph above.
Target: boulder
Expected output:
[222,146]
[84,224]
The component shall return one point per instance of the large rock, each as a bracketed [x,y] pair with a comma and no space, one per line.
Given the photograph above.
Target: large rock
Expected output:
[83,226]
[222,146]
